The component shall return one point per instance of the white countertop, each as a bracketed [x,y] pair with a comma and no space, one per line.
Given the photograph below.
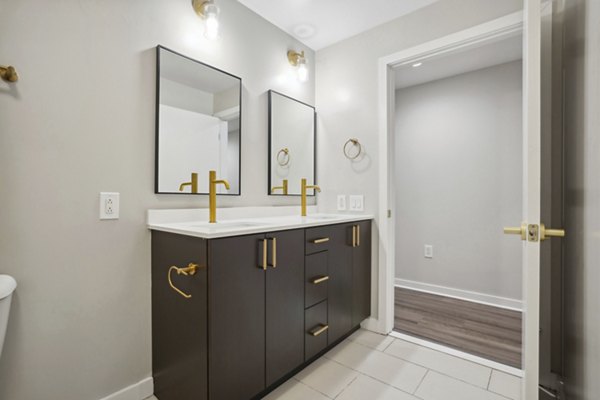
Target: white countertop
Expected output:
[188,222]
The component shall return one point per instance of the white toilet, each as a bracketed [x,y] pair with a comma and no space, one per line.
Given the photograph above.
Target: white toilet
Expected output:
[7,287]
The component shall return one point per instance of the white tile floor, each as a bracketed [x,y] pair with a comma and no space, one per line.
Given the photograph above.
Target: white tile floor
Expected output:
[377,367]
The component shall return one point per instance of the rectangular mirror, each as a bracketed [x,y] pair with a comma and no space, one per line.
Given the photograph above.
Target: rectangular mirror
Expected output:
[198,125]
[292,137]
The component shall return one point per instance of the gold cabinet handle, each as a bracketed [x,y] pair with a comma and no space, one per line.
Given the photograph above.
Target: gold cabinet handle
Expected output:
[189,270]
[546,233]
[322,279]
[357,235]
[321,240]
[274,248]
[353,235]
[265,261]
[319,330]
[521,231]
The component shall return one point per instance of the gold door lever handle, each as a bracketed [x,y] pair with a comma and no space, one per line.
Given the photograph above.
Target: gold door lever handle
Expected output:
[189,270]
[546,233]
[522,231]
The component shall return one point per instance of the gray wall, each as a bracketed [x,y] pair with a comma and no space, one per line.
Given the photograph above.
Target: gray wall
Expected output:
[582,248]
[81,121]
[458,178]
[346,94]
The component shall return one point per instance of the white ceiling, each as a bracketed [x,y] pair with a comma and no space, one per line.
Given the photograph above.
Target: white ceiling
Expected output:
[320,23]
[471,59]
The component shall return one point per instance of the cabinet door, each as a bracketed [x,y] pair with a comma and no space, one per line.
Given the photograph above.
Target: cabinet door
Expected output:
[361,270]
[236,317]
[285,304]
[340,281]
[179,333]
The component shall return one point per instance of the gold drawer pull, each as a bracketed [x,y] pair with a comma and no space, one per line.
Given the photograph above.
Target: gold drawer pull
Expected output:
[316,332]
[189,270]
[322,279]
[322,240]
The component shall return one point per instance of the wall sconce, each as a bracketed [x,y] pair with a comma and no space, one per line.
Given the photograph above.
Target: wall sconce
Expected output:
[8,73]
[209,12]
[299,61]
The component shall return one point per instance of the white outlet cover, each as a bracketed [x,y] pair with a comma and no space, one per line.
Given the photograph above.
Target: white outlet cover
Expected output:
[428,252]
[109,205]
[357,202]
[341,202]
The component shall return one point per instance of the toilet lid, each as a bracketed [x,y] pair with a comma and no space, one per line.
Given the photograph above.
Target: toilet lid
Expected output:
[7,285]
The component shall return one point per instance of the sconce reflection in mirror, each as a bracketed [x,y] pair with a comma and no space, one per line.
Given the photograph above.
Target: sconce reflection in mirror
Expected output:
[283,157]
[8,73]
[352,149]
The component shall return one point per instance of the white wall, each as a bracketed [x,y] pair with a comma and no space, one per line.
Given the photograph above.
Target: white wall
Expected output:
[458,178]
[582,202]
[81,121]
[346,94]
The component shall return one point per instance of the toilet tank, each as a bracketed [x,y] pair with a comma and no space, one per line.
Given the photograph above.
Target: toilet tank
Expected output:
[7,287]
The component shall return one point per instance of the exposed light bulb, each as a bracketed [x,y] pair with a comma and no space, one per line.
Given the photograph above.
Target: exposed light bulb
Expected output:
[212,27]
[302,70]
[415,65]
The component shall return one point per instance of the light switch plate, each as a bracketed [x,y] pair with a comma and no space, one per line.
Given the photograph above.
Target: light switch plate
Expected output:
[341,202]
[109,205]
[428,251]
[357,202]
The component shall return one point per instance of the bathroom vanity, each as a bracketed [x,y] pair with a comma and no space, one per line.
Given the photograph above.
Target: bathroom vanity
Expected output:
[241,306]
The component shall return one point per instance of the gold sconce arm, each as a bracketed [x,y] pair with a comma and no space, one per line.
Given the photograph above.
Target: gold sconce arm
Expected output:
[283,187]
[189,270]
[8,73]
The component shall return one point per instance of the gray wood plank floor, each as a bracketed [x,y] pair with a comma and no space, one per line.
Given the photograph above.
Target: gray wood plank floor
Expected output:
[486,331]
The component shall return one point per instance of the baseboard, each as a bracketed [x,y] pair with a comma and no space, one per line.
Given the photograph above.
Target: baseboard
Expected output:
[481,298]
[138,391]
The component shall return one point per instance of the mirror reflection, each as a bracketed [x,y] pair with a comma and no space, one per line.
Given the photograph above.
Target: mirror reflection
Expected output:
[198,125]
[291,144]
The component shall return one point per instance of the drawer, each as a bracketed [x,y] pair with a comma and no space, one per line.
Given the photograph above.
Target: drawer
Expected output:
[318,239]
[316,278]
[316,326]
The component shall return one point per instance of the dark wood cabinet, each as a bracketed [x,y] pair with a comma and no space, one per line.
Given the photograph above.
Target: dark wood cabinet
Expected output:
[179,329]
[260,307]
[284,304]
[361,272]
[236,298]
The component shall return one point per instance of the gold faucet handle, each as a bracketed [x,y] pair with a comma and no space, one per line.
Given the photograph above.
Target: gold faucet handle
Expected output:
[223,182]
[283,187]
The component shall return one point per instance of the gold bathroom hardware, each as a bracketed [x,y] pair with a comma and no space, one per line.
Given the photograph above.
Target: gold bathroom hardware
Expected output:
[316,332]
[274,249]
[8,73]
[285,160]
[303,192]
[187,271]
[193,183]
[265,261]
[355,143]
[295,58]
[322,279]
[534,232]
[322,240]
[212,201]
[355,235]
[283,187]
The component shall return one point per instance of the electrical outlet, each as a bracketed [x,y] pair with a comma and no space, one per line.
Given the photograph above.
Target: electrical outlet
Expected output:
[109,205]
[341,202]
[357,202]
[428,251]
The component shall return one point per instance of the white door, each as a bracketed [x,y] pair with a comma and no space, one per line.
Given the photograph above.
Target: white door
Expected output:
[533,232]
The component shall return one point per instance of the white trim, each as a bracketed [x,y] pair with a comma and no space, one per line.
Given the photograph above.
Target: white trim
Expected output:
[138,391]
[460,294]
[490,31]
[460,354]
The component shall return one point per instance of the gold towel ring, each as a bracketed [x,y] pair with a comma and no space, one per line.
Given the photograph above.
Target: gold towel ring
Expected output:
[355,143]
[189,270]
[286,157]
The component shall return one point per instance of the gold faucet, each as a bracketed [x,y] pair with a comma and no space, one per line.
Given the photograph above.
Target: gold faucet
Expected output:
[304,187]
[212,203]
[284,187]
[193,183]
